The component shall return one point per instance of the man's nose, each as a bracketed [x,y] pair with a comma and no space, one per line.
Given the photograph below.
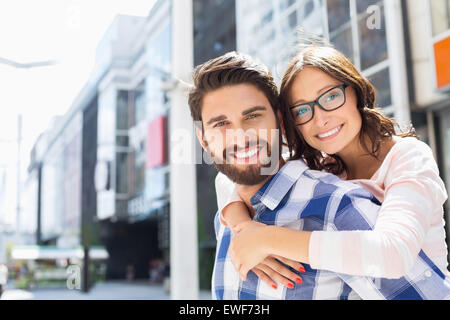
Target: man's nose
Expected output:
[240,137]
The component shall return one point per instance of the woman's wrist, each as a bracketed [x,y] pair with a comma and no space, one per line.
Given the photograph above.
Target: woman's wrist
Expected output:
[270,242]
[235,213]
[288,243]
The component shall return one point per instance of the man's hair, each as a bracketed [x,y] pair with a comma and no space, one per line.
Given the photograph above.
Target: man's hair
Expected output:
[230,69]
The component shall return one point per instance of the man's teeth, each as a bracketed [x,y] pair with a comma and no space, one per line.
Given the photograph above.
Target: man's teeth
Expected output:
[248,154]
[329,133]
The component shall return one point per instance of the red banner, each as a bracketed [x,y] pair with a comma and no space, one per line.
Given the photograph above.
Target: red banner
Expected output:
[155,143]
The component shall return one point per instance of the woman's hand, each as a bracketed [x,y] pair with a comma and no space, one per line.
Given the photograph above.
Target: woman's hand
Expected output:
[249,250]
[271,271]
[246,247]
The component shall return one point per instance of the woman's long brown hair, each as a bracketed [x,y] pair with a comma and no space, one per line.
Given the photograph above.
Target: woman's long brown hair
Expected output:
[375,126]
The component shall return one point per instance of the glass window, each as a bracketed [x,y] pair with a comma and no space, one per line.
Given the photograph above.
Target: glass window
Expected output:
[293,20]
[338,13]
[362,5]
[343,42]
[311,16]
[121,172]
[139,177]
[122,110]
[381,81]
[308,8]
[373,43]
[158,180]
[267,18]
[440,15]
[122,140]
[139,103]
[160,51]
[284,4]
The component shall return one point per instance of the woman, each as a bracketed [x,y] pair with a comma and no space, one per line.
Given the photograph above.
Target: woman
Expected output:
[330,120]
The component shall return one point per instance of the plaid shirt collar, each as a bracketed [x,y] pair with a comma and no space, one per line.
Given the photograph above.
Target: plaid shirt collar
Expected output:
[276,188]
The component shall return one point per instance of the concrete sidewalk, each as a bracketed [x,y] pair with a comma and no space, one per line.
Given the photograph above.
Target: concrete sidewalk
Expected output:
[111,290]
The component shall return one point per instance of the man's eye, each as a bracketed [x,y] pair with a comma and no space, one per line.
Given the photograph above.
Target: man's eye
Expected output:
[219,124]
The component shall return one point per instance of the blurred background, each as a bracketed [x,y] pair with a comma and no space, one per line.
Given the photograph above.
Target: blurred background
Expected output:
[92,205]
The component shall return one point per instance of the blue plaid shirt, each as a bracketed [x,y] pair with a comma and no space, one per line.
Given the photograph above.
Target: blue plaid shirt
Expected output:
[303,199]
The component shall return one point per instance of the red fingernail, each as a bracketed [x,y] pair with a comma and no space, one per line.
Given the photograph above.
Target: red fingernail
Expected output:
[274,286]
[298,280]
[290,286]
[301,269]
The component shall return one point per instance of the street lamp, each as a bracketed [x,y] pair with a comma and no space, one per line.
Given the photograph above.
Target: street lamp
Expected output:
[22,65]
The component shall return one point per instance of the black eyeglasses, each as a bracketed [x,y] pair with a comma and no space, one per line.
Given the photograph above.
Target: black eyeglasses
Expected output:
[330,100]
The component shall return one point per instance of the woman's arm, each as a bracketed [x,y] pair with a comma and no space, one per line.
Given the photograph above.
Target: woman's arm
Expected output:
[255,243]
[233,212]
[413,192]
[231,207]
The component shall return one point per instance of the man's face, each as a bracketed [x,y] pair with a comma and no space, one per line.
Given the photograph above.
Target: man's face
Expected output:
[240,132]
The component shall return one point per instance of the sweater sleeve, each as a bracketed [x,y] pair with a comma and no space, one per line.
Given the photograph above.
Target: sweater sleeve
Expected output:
[226,193]
[413,192]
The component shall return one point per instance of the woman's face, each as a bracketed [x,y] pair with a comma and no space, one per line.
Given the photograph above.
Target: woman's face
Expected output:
[329,131]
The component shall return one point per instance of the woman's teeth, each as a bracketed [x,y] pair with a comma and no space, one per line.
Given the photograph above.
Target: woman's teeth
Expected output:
[329,133]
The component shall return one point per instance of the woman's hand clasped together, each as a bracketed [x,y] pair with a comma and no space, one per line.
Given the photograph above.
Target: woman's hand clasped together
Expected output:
[250,250]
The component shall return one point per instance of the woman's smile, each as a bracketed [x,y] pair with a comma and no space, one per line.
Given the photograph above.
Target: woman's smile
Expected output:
[330,134]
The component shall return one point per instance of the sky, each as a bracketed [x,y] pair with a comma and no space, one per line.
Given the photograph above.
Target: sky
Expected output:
[67,31]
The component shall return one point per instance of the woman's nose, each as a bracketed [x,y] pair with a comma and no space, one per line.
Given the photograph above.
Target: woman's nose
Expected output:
[321,117]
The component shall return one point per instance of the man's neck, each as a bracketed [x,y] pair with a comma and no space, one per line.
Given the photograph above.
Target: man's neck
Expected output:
[247,192]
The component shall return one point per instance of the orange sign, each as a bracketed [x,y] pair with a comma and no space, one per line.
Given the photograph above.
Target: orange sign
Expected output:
[442,60]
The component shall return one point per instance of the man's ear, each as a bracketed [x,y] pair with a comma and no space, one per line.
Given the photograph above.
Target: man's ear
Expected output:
[199,133]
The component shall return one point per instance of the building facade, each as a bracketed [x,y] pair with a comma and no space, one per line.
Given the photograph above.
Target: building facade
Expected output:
[365,31]
[131,173]
[100,176]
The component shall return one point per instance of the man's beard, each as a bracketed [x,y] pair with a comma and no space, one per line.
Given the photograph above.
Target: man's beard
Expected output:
[249,174]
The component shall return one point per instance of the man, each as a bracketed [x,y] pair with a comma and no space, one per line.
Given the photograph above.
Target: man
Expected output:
[234,93]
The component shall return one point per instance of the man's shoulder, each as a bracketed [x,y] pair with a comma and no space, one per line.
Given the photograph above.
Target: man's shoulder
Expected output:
[314,183]
[343,204]
[219,229]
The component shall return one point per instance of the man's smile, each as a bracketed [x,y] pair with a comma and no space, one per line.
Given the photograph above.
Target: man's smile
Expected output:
[247,155]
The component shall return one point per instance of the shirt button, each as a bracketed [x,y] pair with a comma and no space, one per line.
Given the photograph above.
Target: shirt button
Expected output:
[428,274]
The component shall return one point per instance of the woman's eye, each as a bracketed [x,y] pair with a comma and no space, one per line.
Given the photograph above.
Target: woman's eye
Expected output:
[333,96]
[302,111]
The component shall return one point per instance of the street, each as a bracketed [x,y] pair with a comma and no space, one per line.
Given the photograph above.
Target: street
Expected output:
[111,290]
